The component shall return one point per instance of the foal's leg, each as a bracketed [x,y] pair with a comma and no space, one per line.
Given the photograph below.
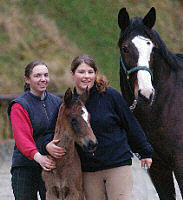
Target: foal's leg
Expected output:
[162,179]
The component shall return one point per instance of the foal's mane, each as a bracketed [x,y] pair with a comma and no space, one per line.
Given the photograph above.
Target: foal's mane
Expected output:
[136,27]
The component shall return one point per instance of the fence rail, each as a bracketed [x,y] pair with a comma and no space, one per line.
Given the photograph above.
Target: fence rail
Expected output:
[8,97]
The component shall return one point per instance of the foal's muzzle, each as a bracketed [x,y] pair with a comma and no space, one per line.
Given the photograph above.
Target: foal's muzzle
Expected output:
[90,146]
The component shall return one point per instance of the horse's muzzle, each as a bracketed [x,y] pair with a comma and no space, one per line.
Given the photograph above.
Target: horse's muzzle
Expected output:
[144,100]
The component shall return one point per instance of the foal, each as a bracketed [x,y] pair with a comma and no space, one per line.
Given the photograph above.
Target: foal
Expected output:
[65,182]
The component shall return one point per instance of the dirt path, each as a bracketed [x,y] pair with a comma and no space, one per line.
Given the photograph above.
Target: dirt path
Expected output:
[142,189]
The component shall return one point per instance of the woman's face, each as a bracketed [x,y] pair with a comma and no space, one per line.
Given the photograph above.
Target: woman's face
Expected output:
[38,80]
[83,76]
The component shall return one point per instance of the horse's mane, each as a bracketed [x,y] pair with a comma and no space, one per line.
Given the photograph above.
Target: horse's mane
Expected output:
[171,58]
[136,27]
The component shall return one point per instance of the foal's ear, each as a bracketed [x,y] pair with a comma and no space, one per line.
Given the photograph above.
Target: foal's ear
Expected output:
[123,19]
[150,19]
[68,97]
[85,95]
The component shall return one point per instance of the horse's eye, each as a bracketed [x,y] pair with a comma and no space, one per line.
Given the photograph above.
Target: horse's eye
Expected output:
[148,43]
[124,49]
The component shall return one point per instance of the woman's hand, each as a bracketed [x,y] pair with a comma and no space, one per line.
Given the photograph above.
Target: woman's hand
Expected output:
[146,163]
[46,162]
[54,150]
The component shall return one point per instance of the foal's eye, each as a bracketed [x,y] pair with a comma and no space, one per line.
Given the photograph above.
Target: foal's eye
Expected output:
[148,43]
[73,121]
[124,49]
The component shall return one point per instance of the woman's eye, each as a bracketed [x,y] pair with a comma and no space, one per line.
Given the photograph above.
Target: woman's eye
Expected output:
[37,76]
[124,49]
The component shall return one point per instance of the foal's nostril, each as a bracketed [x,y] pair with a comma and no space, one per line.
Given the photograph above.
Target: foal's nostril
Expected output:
[92,146]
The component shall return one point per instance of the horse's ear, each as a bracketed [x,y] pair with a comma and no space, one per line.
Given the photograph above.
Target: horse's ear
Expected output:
[150,19]
[68,97]
[123,19]
[84,96]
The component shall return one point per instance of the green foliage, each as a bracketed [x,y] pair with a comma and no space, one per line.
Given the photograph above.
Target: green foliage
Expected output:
[92,25]
[89,24]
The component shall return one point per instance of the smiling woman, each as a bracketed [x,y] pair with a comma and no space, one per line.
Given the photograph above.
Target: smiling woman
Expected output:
[36,78]
[108,169]
[32,115]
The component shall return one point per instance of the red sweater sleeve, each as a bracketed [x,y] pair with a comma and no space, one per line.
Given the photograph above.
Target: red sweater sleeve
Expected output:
[22,131]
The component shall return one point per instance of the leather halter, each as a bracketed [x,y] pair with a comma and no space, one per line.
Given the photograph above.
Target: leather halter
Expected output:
[128,72]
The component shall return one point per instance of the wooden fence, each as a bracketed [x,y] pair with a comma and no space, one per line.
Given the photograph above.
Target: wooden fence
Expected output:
[5,129]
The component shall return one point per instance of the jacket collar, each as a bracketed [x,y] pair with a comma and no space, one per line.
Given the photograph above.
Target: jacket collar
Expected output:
[92,91]
[38,97]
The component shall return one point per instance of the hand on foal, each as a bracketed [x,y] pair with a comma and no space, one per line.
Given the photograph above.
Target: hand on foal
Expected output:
[46,162]
[146,163]
[54,150]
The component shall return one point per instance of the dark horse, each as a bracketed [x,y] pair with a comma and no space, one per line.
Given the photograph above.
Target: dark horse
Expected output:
[65,182]
[151,80]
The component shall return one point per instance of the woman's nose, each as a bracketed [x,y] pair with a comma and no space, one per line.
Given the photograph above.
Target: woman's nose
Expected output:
[43,78]
[86,74]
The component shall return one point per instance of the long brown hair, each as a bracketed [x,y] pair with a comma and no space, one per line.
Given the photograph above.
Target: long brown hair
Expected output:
[101,81]
[28,71]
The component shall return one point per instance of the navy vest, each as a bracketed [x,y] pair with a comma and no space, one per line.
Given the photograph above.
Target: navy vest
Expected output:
[43,116]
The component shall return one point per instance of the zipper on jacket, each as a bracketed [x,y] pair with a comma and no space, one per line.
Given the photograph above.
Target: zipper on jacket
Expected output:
[44,108]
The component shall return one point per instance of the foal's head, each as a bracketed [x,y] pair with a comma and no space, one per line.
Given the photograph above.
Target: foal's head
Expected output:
[76,120]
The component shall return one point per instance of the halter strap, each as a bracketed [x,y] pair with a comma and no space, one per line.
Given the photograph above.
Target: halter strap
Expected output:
[128,72]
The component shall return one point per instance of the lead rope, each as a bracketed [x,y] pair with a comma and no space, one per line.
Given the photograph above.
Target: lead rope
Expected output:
[134,104]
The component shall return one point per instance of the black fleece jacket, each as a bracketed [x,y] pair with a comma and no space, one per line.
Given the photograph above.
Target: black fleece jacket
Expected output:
[117,131]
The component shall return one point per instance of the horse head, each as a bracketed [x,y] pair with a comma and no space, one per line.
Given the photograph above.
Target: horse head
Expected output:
[136,49]
[76,118]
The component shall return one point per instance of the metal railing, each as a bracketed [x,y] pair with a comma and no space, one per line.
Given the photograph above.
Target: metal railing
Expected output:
[8,97]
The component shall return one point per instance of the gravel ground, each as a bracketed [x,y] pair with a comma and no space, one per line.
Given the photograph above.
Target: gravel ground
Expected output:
[142,189]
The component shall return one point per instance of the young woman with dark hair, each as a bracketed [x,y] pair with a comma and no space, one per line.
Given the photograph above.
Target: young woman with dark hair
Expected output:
[108,170]
[33,115]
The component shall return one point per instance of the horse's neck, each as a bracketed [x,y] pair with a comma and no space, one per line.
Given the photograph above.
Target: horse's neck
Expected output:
[161,70]
[66,142]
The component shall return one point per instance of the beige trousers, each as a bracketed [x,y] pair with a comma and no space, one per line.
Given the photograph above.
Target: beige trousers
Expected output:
[116,183]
